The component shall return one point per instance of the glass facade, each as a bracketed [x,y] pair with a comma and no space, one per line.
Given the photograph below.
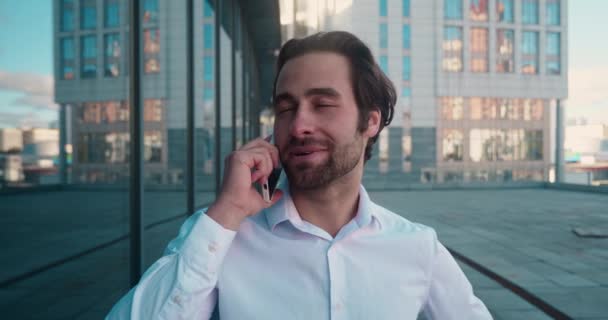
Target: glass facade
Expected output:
[505,11]
[553,53]
[529,11]
[383,8]
[88,14]
[88,56]
[67,62]
[383,61]
[478,10]
[112,55]
[452,49]
[407,68]
[66,15]
[152,50]
[406,8]
[406,36]
[452,9]
[505,51]
[150,11]
[529,52]
[383,36]
[111,13]
[553,13]
[479,50]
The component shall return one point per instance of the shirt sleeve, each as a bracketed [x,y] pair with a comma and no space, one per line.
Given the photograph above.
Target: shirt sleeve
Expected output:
[450,293]
[181,284]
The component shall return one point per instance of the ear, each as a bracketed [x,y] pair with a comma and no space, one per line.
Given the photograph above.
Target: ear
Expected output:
[373,123]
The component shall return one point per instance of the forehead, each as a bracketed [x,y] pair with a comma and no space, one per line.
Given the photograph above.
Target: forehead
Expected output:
[316,69]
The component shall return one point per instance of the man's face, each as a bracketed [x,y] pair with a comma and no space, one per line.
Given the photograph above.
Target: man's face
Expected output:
[316,120]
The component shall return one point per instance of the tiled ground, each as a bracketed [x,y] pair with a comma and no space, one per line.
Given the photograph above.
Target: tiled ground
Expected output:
[523,235]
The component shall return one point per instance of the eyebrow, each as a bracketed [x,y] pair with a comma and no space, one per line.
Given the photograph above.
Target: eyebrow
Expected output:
[329,92]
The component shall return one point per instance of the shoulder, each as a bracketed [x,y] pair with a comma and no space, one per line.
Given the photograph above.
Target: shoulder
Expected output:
[393,224]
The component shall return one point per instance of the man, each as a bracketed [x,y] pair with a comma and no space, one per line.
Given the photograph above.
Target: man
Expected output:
[321,249]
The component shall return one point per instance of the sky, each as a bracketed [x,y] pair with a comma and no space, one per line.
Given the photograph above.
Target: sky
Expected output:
[26,62]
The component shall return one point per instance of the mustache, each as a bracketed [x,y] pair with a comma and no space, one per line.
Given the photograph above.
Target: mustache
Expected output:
[295,142]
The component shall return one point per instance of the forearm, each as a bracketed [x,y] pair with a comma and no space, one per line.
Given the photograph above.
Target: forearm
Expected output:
[180,285]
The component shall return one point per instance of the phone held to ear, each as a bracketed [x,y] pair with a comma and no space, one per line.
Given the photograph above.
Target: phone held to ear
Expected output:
[270,186]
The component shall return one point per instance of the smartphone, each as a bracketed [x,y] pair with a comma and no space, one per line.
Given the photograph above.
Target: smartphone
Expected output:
[270,186]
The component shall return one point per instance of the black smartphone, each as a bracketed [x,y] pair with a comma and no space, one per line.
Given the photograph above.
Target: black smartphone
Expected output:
[270,186]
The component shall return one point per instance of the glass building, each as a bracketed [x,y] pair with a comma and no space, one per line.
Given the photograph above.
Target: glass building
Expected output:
[481,84]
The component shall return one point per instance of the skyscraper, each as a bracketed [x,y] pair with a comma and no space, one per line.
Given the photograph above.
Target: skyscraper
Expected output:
[91,73]
[479,82]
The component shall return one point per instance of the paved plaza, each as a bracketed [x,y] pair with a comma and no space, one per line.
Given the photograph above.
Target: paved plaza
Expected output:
[523,235]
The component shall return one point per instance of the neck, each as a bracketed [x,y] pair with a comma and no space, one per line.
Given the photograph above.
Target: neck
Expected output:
[332,206]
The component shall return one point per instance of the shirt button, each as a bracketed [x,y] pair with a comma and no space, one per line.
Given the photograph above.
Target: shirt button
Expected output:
[177,299]
[212,247]
[338,306]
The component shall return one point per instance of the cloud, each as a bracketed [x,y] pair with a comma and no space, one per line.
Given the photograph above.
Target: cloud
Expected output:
[36,89]
[24,120]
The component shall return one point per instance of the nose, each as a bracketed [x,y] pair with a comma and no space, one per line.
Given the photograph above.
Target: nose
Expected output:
[303,122]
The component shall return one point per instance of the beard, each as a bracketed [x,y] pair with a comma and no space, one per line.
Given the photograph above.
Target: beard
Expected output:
[341,160]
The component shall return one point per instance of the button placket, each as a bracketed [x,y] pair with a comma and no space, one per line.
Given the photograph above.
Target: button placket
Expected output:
[336,270]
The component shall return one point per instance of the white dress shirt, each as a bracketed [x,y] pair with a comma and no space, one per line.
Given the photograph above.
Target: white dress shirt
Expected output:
[278,266]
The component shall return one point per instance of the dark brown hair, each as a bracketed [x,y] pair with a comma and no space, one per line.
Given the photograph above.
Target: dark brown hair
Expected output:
[372,88]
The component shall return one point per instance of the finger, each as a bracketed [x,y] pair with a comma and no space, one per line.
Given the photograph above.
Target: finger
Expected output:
[263,167]
[271,150]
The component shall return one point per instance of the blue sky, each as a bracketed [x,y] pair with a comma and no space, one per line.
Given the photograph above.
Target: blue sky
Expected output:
[26,62]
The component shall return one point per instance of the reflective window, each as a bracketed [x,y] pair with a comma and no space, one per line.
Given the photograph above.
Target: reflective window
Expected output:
[478,10]
[88,56]
[407,68]
[529,13]
[406,36]
[383,8]
[383,36]
[479,50]
[505,11]
[529,52]
[153,146]
[482,108]
[67,15]
[453,145]
[208,68]
[208,34]
[102,147]
[505,53]
[111,43]
[151,50]
[150,11]
[384,63]
[452,108]
[153,110]
[452,9]
[88,14]
[208,9]
[406,8]
[452,49]
[553,14]
[111,13]
[552,58]
[67,58]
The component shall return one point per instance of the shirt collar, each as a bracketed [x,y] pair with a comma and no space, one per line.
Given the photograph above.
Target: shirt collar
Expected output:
[285,209]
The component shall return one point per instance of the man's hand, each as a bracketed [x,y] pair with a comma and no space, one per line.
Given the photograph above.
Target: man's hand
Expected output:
[238,199]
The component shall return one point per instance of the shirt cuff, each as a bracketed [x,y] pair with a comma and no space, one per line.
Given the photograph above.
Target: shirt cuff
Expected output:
[207,245]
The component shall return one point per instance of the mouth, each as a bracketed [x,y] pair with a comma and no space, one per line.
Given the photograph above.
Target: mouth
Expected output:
[298,154]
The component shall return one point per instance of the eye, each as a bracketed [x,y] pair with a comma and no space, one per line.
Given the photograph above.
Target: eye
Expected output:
[282,108]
